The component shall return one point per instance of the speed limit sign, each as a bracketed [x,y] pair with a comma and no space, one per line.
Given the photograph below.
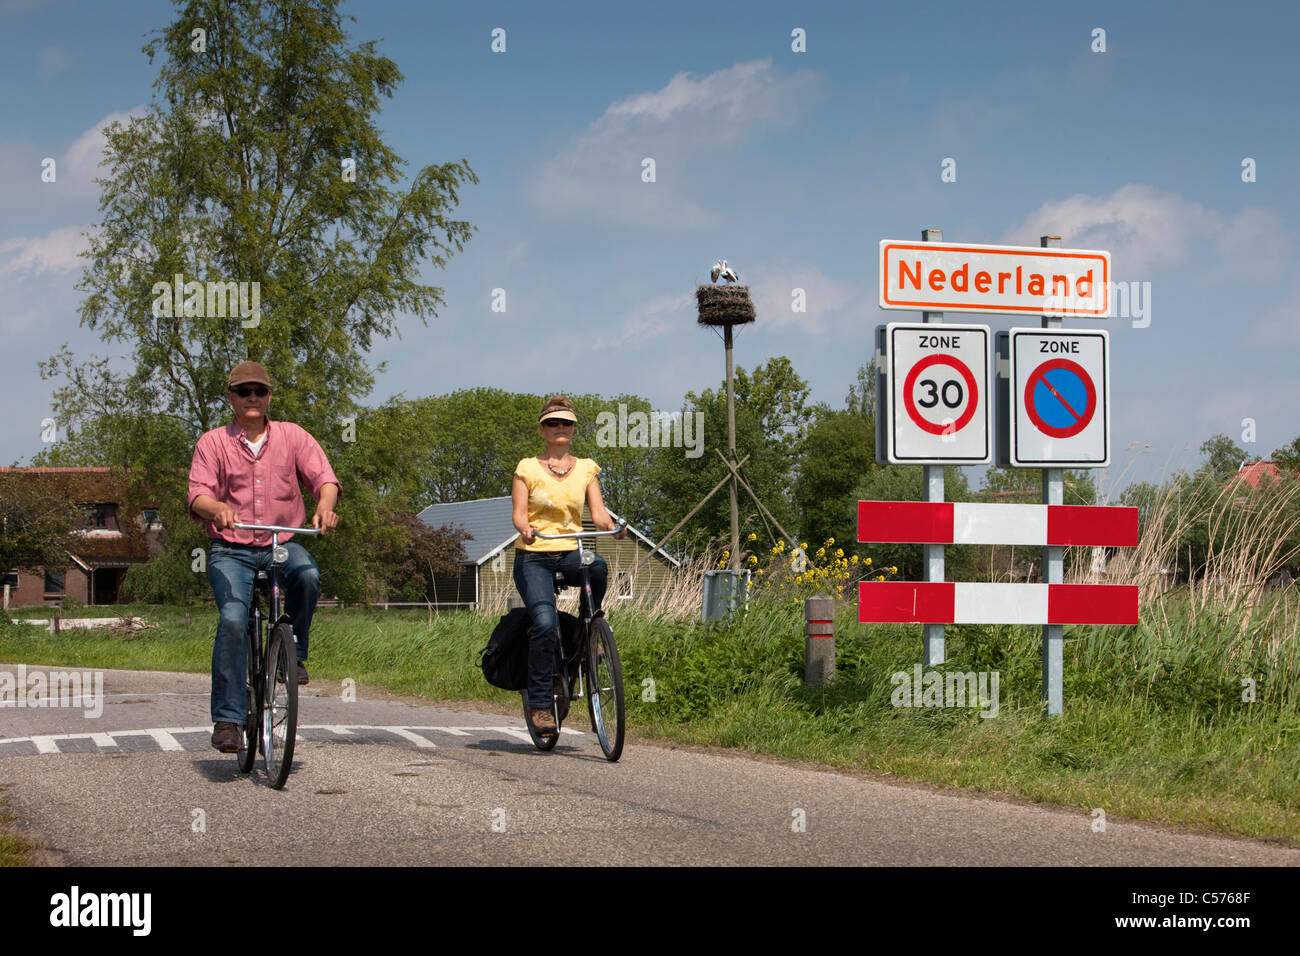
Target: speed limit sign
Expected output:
[934,398]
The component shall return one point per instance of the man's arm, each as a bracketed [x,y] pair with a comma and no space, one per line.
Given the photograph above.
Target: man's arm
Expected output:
[325,518]
[218,512]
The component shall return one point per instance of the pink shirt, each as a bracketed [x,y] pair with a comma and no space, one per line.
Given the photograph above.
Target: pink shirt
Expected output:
[261,489]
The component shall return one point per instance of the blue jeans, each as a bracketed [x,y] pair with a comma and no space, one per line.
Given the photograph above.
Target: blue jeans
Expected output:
[535,579]
[231,571]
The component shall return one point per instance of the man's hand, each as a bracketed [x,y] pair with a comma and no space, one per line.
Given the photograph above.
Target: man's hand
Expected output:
[324,518]
[225,517]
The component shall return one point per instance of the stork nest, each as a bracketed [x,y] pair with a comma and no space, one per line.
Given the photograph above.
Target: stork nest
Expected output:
[724,304]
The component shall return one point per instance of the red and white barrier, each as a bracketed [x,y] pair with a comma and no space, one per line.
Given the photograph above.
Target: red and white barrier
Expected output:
[947,522]
[946,602]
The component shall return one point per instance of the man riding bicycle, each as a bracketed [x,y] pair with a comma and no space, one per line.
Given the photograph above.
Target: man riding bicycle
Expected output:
[248,471]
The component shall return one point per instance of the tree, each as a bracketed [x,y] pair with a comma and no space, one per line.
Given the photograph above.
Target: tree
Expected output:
[838,452]
[1223,457]
[1079,487]
[258,176]
[1287,458]
[771,422]
[906,483]
[35,521]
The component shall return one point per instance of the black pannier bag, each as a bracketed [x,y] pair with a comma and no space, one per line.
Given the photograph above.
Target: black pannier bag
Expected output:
[505,659]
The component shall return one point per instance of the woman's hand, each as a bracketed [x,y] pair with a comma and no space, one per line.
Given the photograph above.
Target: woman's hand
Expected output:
[528,535]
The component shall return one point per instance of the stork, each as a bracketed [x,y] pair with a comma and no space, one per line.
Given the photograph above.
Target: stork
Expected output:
[728,273]
[717,271]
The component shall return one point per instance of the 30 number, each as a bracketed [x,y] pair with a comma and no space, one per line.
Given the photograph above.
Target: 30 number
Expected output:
[937,394]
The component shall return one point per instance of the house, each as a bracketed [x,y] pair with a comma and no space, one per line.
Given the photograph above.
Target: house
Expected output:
[487,576]
[1252,473]
[100,553]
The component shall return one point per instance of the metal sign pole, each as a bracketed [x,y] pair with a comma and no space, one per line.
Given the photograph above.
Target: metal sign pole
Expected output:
[1053,563]
[932,554]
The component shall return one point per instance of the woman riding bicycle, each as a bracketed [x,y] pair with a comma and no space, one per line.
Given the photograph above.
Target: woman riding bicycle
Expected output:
[548,493]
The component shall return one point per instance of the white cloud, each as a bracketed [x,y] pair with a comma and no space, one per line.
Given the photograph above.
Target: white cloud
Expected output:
[23,190]
[1144,229]
[597,177]
[1147,230]
[650,320]
[56,252]
[773,295]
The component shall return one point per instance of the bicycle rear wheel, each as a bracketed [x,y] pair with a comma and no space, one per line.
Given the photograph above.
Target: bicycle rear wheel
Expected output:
[280,707]
[605,689]
[253,698]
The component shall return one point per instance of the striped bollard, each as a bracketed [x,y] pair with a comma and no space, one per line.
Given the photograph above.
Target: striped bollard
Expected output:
[819,640]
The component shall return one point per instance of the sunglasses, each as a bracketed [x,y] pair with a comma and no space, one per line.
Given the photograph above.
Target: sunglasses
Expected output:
[556,423]
[245,390]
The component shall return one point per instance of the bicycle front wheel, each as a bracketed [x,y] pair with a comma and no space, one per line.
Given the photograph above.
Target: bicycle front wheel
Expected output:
[252,698]
[605,689]
[280,705]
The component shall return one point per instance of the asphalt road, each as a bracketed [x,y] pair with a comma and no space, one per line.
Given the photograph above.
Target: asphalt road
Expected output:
[385,781]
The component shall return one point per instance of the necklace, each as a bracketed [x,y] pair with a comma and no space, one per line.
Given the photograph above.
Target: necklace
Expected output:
[556,472]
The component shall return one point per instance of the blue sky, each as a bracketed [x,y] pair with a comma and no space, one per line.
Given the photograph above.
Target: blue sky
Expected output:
[793,166]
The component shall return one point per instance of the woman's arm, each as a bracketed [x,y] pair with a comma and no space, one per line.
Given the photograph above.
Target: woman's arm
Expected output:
[519,511]
[599,516]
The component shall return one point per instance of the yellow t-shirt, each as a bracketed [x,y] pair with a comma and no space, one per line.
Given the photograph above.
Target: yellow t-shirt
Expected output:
[555,504]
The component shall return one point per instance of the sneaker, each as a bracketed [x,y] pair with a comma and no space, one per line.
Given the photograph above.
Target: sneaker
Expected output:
[225,737]
[544,722]
[302,674]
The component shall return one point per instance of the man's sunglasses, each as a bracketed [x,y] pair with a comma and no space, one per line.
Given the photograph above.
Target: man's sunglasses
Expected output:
[245,390]
[556,423]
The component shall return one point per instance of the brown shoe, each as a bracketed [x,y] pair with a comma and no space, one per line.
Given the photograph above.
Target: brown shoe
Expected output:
[225,737]
[544,722]
[302,674]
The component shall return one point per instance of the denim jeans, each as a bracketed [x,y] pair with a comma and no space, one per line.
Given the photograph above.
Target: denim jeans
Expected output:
[535,579]
[231,571]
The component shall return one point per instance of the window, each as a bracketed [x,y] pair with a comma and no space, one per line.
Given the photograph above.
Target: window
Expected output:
[105,516]
[54,582]
[152,520]
[10,579]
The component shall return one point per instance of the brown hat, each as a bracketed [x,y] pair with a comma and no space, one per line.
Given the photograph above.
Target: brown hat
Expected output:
[246,372]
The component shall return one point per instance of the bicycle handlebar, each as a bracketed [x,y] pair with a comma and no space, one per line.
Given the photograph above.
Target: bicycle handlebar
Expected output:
[275,527]
[582,534]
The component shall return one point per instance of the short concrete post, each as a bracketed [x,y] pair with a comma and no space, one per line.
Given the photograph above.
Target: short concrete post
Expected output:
[819,640]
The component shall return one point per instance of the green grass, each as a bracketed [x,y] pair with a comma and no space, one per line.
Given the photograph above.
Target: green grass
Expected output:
[1155,725]
[14,849]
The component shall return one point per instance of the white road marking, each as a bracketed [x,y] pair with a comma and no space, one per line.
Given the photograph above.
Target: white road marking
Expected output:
[165,740]
[165,737]
[409,735]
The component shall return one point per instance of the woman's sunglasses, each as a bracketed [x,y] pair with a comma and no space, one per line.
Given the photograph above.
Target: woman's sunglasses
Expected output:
[245,390]
[556,423]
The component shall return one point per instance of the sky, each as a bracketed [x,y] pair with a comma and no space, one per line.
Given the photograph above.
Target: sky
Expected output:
[793,165]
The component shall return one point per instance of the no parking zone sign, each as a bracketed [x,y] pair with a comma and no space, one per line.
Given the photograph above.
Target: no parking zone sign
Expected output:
[933,393]
[1056,398]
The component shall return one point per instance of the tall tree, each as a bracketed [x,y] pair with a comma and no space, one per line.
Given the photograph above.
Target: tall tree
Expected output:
[1223,457]
[839,451]
[256,184]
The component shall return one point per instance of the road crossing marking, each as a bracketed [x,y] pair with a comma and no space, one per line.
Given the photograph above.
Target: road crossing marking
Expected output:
[165,737]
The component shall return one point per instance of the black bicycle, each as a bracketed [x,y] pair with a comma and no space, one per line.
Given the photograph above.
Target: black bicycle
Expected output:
[271,725]
[589,669]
